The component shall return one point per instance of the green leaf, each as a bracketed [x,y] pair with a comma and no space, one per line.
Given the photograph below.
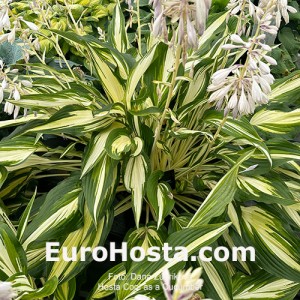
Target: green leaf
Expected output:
[86,236]
[219,197]
[3,175]
[11,52]
[160,196]
[265,189]
[105,285]
[263,286]
[75,119]
[276,121]
[99,186]
[66,290]
[276,248]
[191,238]
[118,143]
[135,175]
[47,290]
[12,255]
[96,148]
[117,32]
[15,151]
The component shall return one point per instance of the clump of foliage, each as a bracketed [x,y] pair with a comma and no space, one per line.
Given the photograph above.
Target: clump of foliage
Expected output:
[183,129]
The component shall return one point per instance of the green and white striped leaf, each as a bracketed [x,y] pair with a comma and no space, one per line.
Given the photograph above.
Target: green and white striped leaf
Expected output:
[99,187]
[263,189]
[96,148]
[12,255]
[66,290]
[241,130]
[276,121]
[218,285]
[219,197]
[191,238]
[14,151]
[276,248]
[137,72]
[263,286]
[3,175]
[146,237]
[86,236]
[118,143]
[57,216]
[134,176]
[160,196]
[75,119]
[117,32]
[106,284]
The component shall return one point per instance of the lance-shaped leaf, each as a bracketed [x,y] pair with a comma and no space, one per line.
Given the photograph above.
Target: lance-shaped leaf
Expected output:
[16,150]
[134,176]
[146,237]
[270,189]
[96,148]
[190,238]
[276,121]
[276,248]
[99,186]
[262,286]
[160,196]
[3,175]
[12,256]
[118,143]
[86,236]
[57,216]
[116,30]
[25,289]
[75,119]
[137,73]
[240,129]
[219,197]
[105,285]
[66,290]
[218,285]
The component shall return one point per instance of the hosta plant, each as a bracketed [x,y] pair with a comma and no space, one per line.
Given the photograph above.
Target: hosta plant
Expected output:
[183,132]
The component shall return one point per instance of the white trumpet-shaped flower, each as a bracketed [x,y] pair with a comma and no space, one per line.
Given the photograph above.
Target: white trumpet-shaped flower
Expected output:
[6,291]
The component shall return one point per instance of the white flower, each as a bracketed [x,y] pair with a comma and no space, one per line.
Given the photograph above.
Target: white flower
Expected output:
[6,291]
[30,25]
[187,283]
[142,297]
[4,17]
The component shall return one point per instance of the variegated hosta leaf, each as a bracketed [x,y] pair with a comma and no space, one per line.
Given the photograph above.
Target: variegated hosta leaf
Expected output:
[137,72]
[263,189]
[66,290]
[86,236]
[276,121]
[96,148]
[286,89]
[220,196]
[134,176]
[276,247]
[160,196]
[105,285]
[218,285]
[191,238]
[25,291]
[58,216]
[99,186]
[55,100]
[241,130]
[146,237]
[262,286]
[16,150]
[117,34]
[118,143]
[12,256]
[74,119]
[3,175]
